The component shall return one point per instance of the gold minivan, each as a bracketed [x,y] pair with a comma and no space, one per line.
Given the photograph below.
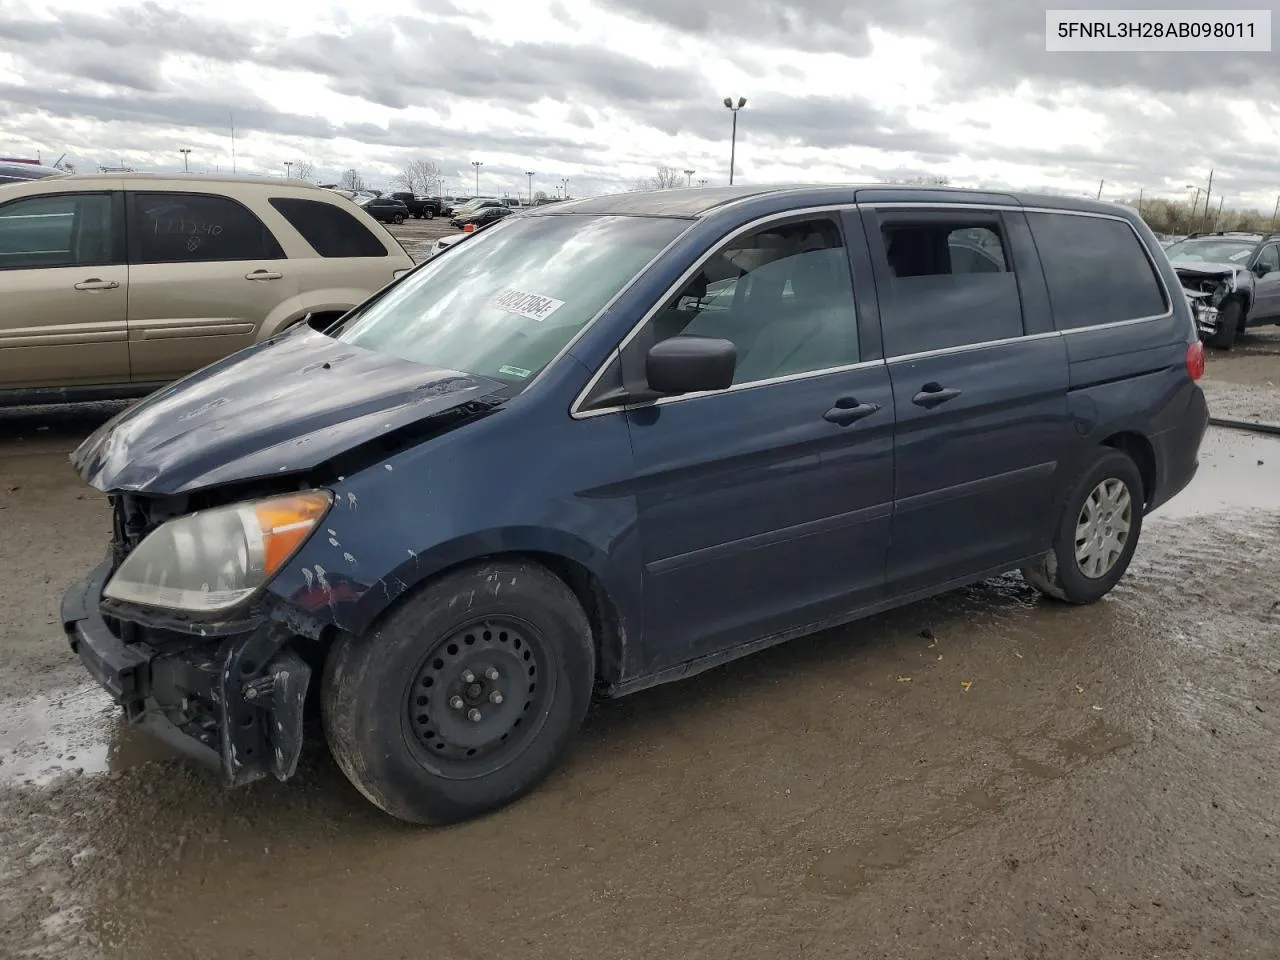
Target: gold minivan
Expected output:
[114,284]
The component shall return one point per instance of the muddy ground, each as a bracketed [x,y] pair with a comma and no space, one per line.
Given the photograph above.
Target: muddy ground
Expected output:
[982,775]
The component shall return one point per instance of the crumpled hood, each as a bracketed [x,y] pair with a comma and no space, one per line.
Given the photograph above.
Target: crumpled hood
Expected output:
[1203,268]
[279,407]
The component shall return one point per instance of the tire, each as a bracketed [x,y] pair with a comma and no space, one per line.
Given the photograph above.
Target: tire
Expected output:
[389,697]
[1230,323]
[1058,573]
[398,218]
[429,214]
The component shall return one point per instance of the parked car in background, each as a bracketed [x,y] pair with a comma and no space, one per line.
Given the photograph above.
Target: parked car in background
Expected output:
[419,207]
[384,209]
[115,284]
[482,214]
[1233,280]
[475,203]
[537,470]
[443,243]
[13,172]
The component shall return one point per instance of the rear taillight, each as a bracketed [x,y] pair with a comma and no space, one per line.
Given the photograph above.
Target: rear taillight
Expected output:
[1195,360]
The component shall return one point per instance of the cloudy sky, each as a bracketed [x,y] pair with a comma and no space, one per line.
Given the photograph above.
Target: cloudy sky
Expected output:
[601,91]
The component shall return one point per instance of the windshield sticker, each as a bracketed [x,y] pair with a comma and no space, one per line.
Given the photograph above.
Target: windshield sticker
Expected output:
[1240,256]
[514,372]
[528,305]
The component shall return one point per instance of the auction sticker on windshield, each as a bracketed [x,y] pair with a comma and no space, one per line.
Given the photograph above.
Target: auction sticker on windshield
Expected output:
[528,305]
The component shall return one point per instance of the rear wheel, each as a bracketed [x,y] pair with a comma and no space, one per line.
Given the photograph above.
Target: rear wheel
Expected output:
[429,214]
[1230,324]
[1097,533]
[462,699]
[398,218]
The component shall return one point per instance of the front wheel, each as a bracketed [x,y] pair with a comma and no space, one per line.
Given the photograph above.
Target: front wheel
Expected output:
[398,218]
[429,214]
[464,696]
[1097,534]
[1230,322]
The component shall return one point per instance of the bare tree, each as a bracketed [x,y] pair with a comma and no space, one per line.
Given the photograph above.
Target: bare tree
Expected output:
[418,176]
[304,170]
[664,178]
[351,180]
[540,195]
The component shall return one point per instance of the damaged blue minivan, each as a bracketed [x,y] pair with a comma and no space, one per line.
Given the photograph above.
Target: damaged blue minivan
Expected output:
[613,442]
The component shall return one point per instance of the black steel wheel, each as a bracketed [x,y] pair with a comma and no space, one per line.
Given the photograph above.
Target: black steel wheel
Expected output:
[464,695]
[480,696]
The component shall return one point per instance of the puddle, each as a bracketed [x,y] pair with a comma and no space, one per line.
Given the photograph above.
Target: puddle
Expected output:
[1238,471]
[77,731]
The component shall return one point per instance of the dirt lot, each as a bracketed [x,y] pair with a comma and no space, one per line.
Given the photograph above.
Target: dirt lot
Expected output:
[982,775]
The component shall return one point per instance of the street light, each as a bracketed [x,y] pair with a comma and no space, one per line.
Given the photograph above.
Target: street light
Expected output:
[733,141]
[689,177]
[288,169]
[1275,213]
[702,182]
[565,181]
[477,164]
[529,174]
[185,151]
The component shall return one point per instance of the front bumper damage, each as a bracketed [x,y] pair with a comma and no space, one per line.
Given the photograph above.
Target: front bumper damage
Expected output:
[231,696]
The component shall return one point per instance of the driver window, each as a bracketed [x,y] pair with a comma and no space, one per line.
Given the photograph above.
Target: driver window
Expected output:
[783,295]
[1270,258]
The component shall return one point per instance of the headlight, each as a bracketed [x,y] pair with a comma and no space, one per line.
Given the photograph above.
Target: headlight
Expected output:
[211,560]
[1220,292]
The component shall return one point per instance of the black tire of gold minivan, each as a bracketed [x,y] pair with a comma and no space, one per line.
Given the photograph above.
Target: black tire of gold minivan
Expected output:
[396,705]
[1058,572]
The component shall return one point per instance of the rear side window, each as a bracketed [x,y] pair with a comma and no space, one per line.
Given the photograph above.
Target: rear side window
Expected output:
[330,230]
[1096,269]
[952,284]
[196,228]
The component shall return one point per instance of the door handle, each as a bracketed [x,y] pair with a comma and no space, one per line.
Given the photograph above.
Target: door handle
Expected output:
[932,394]
[96,284]
[263,275]
[848,410]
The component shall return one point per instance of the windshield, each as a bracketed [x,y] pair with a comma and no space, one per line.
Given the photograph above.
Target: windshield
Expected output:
[1218,250]
[506,302]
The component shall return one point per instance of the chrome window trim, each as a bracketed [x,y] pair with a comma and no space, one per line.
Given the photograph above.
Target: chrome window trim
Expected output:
[577,413]
[736,388]
[970,347]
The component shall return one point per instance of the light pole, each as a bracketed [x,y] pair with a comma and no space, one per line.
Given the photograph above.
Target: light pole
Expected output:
[185,151]
[702,182]
[733,139]
[565,182]
[529,174]
[288,169]
[688,174]
[1100,183]
[477,164]
[1275,213]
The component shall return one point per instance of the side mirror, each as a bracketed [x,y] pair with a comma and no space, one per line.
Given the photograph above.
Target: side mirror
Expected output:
[1261,269]
[691,364]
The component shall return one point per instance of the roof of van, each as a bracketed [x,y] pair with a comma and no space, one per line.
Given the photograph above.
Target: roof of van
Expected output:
[129,176]
[692,203]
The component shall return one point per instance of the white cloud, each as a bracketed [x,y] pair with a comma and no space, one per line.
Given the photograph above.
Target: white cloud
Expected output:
[601,91]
